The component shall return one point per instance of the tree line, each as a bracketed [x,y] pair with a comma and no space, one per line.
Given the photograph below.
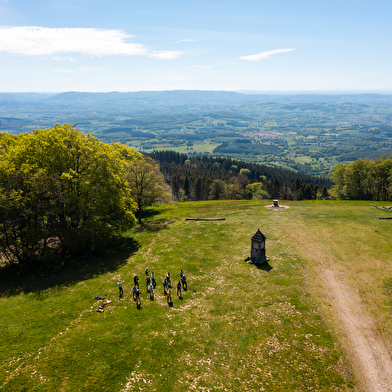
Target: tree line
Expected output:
[204,177]
[363,179]
[63,193]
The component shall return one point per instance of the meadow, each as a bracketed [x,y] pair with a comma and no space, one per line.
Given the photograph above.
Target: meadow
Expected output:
[239,327]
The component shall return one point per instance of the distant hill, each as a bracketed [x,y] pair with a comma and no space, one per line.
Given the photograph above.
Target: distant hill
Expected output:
[172,98]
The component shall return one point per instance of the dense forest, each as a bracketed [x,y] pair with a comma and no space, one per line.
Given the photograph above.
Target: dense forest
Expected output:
[196,178]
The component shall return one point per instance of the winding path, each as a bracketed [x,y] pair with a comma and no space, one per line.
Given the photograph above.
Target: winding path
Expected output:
[370,353]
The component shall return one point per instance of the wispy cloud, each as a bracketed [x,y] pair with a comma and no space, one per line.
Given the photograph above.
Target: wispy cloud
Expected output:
[264,55]
[40,41]
[63,59]
[202,66]
[185,40]
[167,55]
[79,70]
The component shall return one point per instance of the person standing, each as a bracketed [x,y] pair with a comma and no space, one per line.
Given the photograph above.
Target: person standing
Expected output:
[136,280]
[148,281]
[120,288]
[184,283]
[134,289]
[179,289]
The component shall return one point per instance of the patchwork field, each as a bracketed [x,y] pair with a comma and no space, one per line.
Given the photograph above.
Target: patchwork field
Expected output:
[316,317]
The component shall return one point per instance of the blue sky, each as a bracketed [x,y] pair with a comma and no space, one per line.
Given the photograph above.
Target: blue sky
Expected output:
[55,46]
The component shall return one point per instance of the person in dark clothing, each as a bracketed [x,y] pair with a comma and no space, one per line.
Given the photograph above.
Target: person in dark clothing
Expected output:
[120,289]
[136,280]
[184,283]
[179,289]
[148,281]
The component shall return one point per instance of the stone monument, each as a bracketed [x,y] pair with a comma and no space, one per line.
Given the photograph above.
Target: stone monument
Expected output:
[257,252]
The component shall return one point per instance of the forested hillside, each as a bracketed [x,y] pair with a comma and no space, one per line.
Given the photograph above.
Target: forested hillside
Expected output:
[192,178]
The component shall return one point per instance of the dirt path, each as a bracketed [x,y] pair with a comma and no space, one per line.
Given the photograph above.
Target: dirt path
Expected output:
[370,357]
[369,351]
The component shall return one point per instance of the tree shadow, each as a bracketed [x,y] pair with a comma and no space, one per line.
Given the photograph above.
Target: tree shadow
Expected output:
[151,212]
[264,266]
[153,226]
[66,272]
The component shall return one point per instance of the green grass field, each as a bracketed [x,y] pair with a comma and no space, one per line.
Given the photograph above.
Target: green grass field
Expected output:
[237,328]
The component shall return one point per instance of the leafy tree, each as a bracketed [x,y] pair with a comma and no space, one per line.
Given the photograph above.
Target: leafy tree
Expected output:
[235,191]
[182,195]
[358,180]
[146,182]
[382,178]
[218,190]
[245,172]
[338,176]
[256,191]
[363,179]
[63,192]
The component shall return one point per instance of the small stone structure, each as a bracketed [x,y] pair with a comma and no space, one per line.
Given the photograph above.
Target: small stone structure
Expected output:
[257,251]
[276,206]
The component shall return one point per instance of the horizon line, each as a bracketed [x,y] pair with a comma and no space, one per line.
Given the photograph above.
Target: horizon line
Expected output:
[244,91]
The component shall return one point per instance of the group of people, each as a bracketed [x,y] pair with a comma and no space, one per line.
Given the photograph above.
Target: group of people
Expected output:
[151,285]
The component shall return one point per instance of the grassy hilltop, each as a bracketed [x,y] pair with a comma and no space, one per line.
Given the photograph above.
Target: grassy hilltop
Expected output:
[243,329]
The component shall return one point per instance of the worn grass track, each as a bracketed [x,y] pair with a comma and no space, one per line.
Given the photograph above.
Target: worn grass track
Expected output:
[245,328]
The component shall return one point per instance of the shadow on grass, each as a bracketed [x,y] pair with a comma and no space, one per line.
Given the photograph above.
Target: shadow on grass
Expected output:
[264,266]
[153,226]
[151,212]
[15,280]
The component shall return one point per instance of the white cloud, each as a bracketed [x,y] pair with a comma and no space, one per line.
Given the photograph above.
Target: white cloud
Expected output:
[185,40]
[202,66]
[264,55]
[167,55]
[63,59]
[41,41]
[79,70]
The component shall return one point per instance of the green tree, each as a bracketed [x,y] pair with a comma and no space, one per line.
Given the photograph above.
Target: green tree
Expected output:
[146,183]
[382,181]
[182,195]
[64,193]
[218,190]
[256,191]
[359,180]
[245,172]
[338,176]
[234,191]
